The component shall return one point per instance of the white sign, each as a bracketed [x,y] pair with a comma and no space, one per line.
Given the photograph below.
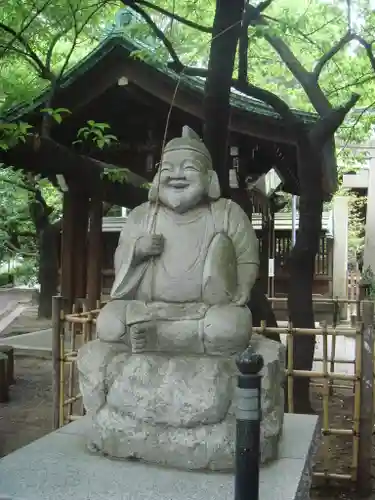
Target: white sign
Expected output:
[271,268]
[233,181]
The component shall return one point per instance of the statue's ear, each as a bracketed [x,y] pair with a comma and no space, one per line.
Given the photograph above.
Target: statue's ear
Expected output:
[213,186]
[153,191]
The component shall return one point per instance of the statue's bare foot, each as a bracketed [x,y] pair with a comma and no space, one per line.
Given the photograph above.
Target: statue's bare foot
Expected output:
[139,337]
[92,447]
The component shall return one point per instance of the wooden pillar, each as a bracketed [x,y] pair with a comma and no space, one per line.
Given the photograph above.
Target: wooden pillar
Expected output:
[369,248]
[81,203]
[271,254]
[57,307]
[94,259]
[340,251]
[74,246]
[67,253]
[265,243]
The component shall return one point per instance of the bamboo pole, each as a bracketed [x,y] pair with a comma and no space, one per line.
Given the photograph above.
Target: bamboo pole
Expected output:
[289,371]
[71,373]
[364,479]
[332,475]
[313,374]
[62,381]
[316,300]
[345,332]
[336,319]
[326,393]
[71,400]
[57,312]
[357,400]
[334,386]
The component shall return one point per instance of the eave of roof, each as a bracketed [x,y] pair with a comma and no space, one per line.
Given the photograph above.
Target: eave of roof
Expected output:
[116,41]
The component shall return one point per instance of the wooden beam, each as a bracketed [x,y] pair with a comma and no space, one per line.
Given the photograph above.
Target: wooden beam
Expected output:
[51,158]
[94,258]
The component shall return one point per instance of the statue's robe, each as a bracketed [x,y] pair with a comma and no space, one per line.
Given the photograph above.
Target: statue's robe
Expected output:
[210,260]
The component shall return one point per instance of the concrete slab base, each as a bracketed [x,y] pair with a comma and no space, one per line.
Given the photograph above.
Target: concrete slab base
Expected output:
[58,467]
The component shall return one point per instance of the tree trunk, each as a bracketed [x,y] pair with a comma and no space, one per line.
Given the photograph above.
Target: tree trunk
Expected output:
[261,309]
[48,269]
[225,35]
[301,268]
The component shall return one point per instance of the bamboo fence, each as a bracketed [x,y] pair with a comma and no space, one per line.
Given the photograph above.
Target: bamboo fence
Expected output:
[73,330]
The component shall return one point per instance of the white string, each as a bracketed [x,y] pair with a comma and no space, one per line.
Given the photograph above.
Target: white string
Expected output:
[152,224]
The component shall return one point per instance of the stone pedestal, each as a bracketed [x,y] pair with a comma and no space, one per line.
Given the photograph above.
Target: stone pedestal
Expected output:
[58,467]
[176,411]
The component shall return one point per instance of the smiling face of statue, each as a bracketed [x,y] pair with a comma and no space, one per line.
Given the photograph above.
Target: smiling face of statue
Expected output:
[184,179]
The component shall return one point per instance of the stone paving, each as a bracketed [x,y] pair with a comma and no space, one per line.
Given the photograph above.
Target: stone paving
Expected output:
[27,321]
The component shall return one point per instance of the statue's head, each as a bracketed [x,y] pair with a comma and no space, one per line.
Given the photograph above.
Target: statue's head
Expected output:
[185,177]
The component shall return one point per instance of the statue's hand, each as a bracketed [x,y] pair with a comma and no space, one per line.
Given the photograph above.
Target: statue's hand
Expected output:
[138,338]
[149,245]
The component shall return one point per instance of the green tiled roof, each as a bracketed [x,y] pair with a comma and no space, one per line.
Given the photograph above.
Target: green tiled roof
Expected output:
[113,41]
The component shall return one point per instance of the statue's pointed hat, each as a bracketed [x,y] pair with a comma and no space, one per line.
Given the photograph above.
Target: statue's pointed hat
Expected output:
[189,140]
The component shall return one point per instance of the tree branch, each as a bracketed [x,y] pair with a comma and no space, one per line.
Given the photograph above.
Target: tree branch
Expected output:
[250,90]
[158,32]
[172,15]
[325,128]
[44,73]
[349,12]
[23,53]
[368,47]
[54,41]
[304,77]
[14,249]
[25,26]
[243,50]
[331,53]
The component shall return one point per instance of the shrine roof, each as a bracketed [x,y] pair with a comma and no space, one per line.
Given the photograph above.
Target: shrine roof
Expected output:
[118,46]
[114,59]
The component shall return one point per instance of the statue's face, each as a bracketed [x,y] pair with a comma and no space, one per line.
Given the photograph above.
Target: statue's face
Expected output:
[184,178]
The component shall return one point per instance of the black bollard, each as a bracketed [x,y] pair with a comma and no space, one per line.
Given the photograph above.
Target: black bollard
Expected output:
[248,416]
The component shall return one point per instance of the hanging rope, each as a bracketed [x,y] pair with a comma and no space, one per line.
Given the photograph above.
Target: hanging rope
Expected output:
[153,219]
[152,224]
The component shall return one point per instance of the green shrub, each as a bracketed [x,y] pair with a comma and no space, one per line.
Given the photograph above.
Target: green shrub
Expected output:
[6,279]
[26,272]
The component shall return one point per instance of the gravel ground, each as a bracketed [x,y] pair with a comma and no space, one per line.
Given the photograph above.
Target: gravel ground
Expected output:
[28,415]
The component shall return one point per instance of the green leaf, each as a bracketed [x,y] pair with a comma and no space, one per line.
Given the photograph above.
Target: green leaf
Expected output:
[111,138]
[101,126]
[63,110]
[81,131]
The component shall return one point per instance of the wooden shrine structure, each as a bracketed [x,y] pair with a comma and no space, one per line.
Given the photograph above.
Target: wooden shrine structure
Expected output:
[134,98]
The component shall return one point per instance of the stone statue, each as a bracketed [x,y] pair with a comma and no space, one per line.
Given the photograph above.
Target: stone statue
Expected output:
[160,379]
